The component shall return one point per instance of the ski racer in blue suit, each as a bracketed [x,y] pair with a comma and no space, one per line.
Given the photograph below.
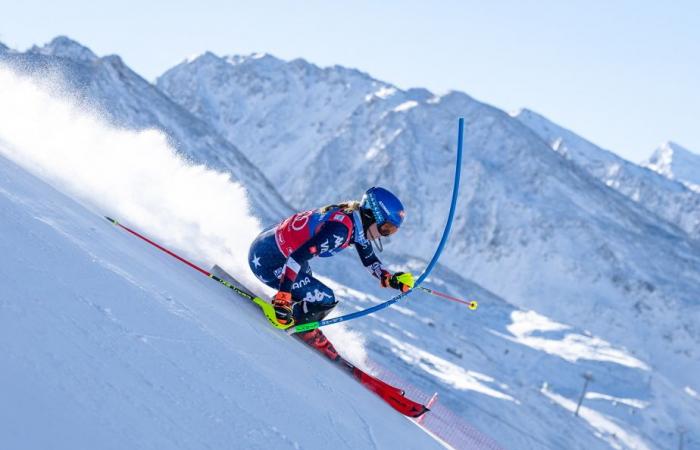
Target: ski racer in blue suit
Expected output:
[280,255]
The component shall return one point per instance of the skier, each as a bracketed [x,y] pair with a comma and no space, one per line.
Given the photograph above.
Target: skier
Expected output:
[280,255]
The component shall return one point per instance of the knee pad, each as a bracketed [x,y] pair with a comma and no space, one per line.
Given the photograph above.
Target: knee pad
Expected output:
[304,311]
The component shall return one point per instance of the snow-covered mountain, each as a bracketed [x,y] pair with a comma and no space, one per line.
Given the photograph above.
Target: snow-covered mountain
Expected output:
[126,99]
[677,163]
[178,339]
[670,200]
[534,227]
[606,286]
[280,114]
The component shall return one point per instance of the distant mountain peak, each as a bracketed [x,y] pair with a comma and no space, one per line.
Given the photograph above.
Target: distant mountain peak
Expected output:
[674,147]
[525,112]
[666,151]
[203,56]
[419,94]
[676,162]
[261,55]
[266,65]
[3,47]
[259,59]
[456,98]
[64,47]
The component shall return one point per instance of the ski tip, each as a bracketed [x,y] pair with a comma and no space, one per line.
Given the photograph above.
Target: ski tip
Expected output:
[419,414]
[111,220]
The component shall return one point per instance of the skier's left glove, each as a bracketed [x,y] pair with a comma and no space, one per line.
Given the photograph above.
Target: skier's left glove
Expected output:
[282,301]
[403,281]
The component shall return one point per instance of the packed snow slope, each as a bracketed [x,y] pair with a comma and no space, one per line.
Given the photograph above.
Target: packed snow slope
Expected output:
[106,343]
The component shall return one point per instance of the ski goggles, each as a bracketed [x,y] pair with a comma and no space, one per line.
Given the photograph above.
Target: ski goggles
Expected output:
[387,229]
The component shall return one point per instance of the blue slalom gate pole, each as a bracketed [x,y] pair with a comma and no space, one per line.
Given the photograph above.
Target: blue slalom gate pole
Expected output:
[426,272]
[453,207]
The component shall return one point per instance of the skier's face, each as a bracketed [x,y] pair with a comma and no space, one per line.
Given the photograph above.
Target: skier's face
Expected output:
[373,232]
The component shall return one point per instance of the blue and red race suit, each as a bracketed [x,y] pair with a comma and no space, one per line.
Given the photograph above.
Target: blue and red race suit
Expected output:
[280,255]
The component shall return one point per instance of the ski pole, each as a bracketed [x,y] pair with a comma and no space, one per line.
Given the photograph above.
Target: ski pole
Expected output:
[268,309]
[472,304]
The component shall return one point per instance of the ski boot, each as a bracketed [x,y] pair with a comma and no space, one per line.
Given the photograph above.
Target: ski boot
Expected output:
[319,341]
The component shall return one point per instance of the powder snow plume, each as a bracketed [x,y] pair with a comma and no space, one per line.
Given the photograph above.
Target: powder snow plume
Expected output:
[134,176]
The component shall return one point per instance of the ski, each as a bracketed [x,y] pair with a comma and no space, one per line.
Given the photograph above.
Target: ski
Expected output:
[392,395]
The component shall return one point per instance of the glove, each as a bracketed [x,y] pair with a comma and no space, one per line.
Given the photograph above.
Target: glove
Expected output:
[403,281]
[282,302]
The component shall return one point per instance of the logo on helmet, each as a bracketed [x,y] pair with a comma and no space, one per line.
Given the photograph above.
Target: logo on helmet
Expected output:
[386,210]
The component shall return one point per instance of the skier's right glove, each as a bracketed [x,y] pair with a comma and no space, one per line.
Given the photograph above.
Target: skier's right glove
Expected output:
[282,302]
[403,281]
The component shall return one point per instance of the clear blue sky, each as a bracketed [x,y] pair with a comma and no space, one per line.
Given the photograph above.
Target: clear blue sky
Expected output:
[624,74]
